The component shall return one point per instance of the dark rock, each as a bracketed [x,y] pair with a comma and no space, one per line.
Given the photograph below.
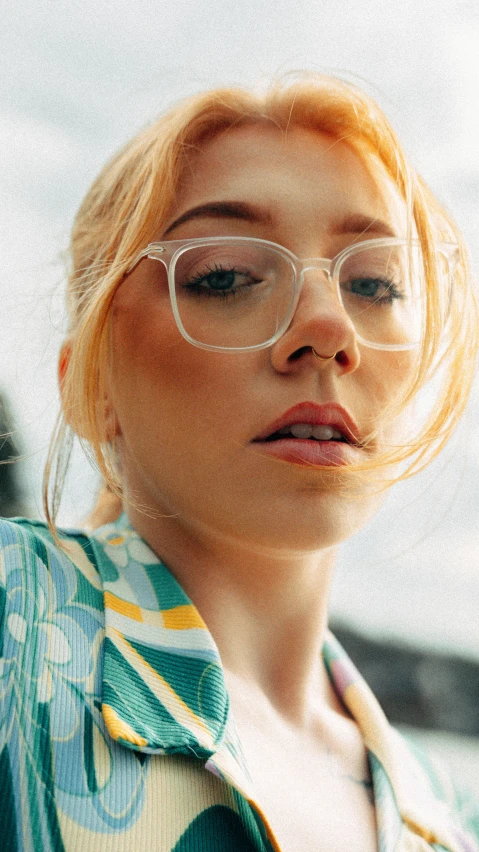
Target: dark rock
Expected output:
[11,498]
[417,687]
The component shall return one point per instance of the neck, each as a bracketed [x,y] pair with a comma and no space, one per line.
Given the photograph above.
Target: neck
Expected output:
[266,609]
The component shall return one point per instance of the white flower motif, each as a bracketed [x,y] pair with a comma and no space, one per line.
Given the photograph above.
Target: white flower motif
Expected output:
[17,627]
[120,547]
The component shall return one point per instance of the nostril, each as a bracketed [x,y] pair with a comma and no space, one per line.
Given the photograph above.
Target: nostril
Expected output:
[340,357]
[298,353]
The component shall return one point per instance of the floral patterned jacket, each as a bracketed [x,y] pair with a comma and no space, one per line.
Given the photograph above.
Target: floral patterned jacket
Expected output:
[115,729]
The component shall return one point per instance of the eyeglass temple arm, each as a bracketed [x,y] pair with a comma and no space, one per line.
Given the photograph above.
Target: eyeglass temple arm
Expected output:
[139,257]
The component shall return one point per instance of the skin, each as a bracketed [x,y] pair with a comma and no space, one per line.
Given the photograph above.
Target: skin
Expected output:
[252,539]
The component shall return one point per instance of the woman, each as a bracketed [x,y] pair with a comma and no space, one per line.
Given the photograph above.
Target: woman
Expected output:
[262,296]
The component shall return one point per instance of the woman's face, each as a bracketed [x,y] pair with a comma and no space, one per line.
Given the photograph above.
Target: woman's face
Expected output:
[191,424]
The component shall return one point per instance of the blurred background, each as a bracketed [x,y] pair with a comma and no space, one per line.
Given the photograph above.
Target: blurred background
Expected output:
[78,79]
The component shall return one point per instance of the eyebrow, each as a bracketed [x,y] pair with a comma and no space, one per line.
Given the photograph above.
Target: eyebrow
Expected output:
[356,223]
[224,210]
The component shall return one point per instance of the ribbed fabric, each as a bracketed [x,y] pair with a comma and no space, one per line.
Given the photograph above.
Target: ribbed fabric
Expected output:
[115,728]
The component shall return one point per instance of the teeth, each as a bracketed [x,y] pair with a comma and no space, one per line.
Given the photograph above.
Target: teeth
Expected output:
[305,430]
[323,433]
[301,430]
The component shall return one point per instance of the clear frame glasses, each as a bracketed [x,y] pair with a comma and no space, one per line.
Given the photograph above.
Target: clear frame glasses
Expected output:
[240,294]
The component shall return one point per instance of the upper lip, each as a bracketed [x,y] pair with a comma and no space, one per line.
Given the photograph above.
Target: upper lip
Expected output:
[329,414]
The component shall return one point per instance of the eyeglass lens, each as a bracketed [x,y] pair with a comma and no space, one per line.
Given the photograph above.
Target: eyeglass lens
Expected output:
[239,295]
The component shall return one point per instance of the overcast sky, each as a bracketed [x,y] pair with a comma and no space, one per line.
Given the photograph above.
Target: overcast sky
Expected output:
[78,79]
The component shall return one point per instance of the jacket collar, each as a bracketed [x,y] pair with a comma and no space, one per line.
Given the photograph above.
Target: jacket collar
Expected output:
[164,692]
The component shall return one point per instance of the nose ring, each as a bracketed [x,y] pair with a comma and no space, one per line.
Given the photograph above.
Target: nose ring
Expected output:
[322,357]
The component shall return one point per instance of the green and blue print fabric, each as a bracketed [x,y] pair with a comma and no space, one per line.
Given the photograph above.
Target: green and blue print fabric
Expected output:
[115,726]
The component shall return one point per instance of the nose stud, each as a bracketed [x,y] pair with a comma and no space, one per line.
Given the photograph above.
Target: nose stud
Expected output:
[322,357]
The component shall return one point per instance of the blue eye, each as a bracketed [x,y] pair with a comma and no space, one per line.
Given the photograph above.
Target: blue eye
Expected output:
[379,290]
[220,281]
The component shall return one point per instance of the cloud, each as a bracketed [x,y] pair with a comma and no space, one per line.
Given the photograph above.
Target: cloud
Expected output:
[42,164]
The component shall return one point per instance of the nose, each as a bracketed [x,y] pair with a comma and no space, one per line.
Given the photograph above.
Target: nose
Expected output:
[319,324]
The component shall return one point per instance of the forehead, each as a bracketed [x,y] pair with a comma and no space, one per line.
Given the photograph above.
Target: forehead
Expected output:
[302,171]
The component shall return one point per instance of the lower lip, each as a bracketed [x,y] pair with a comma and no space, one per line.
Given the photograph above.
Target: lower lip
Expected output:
[309,453]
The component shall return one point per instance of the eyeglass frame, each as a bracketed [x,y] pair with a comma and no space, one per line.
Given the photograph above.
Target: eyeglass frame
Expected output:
[171,251]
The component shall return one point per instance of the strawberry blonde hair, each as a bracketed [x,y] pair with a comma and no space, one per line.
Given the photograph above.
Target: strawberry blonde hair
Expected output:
[133,196]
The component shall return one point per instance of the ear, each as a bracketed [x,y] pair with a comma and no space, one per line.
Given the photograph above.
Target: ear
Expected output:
[111,425]
[63,362]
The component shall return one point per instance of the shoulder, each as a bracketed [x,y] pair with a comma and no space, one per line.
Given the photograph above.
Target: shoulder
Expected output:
[459,805]
[34,567]
[51,640]
[51,620]
[34,538]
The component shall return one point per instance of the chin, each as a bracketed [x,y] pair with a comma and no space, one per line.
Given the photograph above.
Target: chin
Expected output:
[325,521]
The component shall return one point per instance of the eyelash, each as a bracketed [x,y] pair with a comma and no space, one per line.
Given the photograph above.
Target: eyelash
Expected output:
[391,291]
[194,285]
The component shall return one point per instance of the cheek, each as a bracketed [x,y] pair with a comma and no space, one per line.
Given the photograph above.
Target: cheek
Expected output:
[164,388]
[392,375]
[144,339]
[399,430]
[388,378]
